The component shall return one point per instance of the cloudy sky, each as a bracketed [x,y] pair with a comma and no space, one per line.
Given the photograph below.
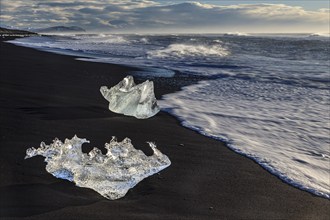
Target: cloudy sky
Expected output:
[169,15]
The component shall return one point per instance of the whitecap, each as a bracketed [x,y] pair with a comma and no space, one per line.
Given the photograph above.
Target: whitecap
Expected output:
[235,34]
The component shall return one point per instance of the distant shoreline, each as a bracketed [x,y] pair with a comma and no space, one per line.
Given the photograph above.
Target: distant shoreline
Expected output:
[4,32]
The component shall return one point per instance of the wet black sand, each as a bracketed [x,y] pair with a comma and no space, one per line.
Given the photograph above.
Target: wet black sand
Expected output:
[45,95]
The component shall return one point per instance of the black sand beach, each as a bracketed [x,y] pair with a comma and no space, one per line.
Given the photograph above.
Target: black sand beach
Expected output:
[45,95]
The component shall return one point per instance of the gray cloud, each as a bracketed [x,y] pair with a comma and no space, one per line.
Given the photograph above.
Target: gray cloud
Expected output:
[145,15]
[91,11]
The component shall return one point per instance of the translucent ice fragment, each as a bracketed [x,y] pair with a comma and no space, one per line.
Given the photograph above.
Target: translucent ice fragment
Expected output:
[111,174]
[130,99]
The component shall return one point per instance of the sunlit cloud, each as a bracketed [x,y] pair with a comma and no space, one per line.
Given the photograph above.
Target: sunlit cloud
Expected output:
[145,15]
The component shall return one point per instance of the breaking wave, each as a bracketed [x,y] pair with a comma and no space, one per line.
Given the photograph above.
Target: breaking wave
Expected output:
[189,50]
[320,35]
[101,38]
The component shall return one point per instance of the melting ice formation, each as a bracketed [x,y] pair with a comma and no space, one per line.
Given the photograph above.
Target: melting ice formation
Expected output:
[130,99]
[111,175]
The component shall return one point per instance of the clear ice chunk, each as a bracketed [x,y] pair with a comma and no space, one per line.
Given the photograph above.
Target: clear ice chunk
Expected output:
[130,99]
[111,174]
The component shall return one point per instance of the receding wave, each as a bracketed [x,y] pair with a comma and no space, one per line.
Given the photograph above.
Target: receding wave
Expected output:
[189,50]
[272,123]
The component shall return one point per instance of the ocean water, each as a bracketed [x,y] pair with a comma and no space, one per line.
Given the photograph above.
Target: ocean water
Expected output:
[266,96]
